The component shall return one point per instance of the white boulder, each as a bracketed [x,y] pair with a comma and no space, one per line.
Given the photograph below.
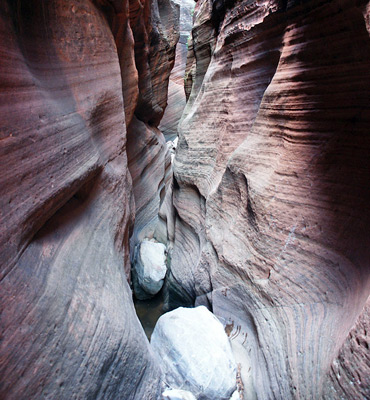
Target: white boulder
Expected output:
[177,394]
[235,396]
[196,353]
[149,269]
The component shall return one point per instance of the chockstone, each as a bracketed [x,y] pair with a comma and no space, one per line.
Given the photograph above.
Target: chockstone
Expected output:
[149,268]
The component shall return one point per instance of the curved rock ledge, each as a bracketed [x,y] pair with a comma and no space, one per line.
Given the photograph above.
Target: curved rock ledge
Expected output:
[74,75]
[271,190]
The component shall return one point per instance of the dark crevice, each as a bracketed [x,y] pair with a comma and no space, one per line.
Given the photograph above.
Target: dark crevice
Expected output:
[219,8]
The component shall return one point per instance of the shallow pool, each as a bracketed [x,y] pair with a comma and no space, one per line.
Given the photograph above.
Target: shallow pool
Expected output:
[148,312]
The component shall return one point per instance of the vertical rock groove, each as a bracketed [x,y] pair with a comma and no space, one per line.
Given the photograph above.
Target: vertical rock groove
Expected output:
[272,170]
[265,213]
[76,77]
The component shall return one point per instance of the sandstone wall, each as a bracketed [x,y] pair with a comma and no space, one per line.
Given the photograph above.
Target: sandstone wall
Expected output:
[176,93]
[149,158]
[271,191]
[74,75]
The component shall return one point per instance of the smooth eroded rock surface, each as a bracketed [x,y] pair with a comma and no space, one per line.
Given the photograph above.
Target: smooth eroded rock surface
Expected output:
[177,394]
[155,27]
[235,396]
[149,269]
[70,85]
[271,190]
[195,353]
[176,92]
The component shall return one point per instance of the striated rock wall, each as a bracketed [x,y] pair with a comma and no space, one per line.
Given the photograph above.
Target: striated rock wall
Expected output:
[271,191]
[164,229]
[349,373]
[73,76]
[149,158]
[176,93]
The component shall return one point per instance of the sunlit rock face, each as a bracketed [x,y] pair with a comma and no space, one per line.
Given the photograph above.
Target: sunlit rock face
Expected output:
[155,27]
[176,92]
[164,218]
[71,82]
[271,191]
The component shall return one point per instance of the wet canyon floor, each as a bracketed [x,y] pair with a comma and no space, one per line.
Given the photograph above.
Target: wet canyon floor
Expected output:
[149,311]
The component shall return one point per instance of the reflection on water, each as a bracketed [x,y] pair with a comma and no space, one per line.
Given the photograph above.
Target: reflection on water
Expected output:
[148,312]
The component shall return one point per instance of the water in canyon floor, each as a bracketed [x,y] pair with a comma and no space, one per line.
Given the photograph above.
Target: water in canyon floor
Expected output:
[148,312]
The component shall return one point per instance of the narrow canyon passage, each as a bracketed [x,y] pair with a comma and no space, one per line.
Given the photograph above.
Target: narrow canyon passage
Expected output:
[208,161]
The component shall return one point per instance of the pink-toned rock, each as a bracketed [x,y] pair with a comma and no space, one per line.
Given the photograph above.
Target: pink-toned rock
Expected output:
[118,15]
[68,75]
[176,92]
[165,231]
[149,158]
[271,191]
[150,167]
[349,374]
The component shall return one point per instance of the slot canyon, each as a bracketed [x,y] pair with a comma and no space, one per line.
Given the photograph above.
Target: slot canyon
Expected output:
[227,141]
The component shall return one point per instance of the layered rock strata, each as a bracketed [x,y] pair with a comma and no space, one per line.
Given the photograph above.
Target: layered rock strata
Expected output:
[149,158]
[271,191]
[176,93]
[164,228]
[73,76]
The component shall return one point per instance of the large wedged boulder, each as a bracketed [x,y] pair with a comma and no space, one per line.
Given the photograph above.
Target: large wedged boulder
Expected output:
[149,269]
[196,353]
